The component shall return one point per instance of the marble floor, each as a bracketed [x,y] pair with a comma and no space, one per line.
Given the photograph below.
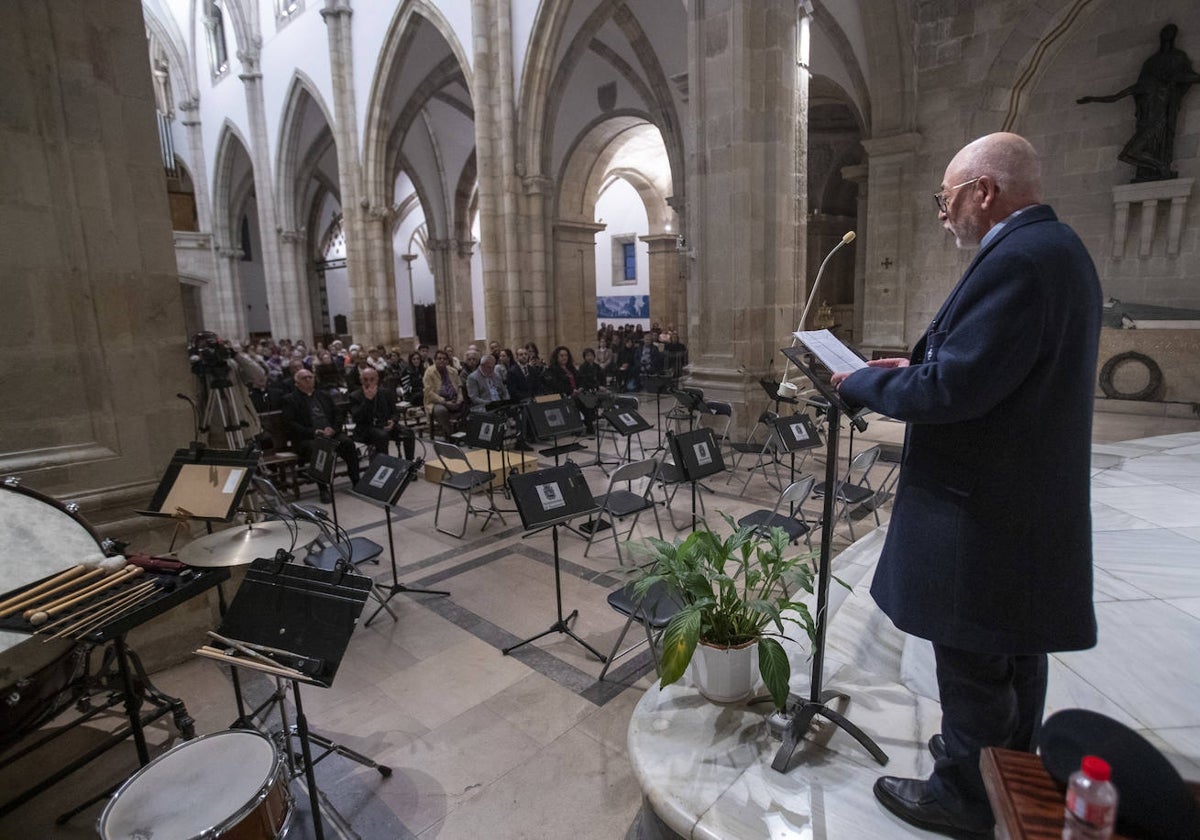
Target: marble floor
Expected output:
[531,745]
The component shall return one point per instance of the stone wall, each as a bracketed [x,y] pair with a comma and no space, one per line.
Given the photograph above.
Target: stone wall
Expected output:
[91,330]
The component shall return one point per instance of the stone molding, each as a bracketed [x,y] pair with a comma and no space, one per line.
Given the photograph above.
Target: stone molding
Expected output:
[1147,195]
[881,148]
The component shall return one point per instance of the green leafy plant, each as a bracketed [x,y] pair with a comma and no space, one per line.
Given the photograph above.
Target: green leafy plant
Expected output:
[734,590]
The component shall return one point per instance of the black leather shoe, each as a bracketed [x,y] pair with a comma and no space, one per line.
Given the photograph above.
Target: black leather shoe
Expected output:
[937,747]
[911,801]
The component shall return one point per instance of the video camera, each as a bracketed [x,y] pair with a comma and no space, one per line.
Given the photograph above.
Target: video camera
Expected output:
[209,356]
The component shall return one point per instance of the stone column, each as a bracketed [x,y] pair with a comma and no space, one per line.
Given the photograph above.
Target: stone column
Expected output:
[284,295]
[409,259]
[293,253]
[575,280]
[891,166]
[857,174]
[499,185]
[455,315]
[221,302]
[746,177]
[370,269]
[665,289]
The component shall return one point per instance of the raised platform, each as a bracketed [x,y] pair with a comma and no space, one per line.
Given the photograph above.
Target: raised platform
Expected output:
[501,464]
[705,769]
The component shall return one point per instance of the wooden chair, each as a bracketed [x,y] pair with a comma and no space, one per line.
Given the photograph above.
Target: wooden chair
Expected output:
[278,460]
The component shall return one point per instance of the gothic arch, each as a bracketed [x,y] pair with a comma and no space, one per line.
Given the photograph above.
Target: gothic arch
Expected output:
[379,164]
[295,166]
[226,191]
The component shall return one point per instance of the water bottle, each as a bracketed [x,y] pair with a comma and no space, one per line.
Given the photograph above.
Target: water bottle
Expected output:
[1091,802]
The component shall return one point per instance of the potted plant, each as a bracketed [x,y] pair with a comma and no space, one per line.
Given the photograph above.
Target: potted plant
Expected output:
[735,591]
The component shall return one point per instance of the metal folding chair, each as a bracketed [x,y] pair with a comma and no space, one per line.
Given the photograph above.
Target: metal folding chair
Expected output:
[464,480]
[794,521]
[654,612]
[855,490]
[619,502]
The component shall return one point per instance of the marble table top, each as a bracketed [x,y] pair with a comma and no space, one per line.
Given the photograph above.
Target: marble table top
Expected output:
[705,768]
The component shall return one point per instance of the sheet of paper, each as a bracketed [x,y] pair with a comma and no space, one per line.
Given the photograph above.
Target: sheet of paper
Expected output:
[832,352]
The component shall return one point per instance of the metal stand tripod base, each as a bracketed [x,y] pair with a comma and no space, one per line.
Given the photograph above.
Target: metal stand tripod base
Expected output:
[395,589]
[560,626]
[802,718]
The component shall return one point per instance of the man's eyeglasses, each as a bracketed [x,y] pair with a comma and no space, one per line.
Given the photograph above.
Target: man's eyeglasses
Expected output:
[939,198]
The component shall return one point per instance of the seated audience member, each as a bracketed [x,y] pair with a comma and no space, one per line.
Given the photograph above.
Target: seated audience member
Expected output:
[443,392]
[562,378]
[605,358]
[494,349]
[412,380]
[674,354]
[590,379]
[517,379]
[470,363]
[329,375]
[310,414]
[485,385]
[536,371]
[649,359]
[504,360]
[374,414]
[626,364]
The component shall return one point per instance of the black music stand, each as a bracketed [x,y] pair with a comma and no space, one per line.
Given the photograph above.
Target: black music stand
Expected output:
[488,430]
[203,484]
[546,499]
[802,712]
[320,469]
[295,622]
[697,455]
[656,384]
[383,483]
[553,419]
[597,402]
[797,434]
[626,422]
[689,401]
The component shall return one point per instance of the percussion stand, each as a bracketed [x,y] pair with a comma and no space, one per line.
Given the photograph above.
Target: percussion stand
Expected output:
[221,401]
[600,462]
[397,586]
[658,384]
[271,604]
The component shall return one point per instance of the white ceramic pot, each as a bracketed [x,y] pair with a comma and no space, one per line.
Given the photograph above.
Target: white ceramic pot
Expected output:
[725,674]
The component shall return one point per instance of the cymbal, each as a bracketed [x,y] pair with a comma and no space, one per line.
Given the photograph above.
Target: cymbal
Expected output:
[242,545]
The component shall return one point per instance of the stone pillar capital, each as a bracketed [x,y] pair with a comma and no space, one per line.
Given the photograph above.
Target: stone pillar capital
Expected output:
[409,258]
[893,145]
[291,237]
[537,184]
[856,173]
[230,253]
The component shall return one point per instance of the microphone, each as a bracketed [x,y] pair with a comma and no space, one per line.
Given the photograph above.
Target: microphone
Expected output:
[788,389]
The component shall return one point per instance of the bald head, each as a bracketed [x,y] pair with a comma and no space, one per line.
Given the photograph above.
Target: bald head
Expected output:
[1012,164]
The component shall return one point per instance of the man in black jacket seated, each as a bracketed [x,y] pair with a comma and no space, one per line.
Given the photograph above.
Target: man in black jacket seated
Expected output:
[374,415]
[311,414]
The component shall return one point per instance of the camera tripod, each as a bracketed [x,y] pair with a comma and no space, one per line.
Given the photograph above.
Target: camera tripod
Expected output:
[217,398]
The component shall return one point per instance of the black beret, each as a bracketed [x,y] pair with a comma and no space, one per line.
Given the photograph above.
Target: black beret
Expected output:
[1154,802]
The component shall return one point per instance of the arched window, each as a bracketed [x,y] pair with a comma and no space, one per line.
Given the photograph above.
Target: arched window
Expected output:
[218,52]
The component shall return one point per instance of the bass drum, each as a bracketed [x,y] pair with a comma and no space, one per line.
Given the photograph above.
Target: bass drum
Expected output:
[38,537]
[230,785]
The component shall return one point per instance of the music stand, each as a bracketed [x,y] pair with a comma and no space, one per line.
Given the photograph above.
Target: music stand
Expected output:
[801,713]
[689,401]
[383,483]
[545,499]
[295,622]
[697,455]
[320,468]
[553,419]
[626,422]
[597,402]
[203,484]
[656,384]
[797,434]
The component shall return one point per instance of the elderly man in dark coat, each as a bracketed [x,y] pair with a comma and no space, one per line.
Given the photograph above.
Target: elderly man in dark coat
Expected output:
[989,554]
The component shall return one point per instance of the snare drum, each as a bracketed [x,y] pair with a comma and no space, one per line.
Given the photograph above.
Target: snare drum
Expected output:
[230,785]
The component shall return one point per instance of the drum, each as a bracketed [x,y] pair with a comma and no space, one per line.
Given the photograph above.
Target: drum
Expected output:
[230,785]
[38,537]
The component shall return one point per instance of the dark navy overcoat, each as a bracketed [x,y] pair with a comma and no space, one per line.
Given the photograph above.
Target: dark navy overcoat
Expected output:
[990,542]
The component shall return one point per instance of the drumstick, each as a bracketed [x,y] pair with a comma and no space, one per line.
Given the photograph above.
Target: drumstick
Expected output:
[278,670]
[81,611]
[114,611]
[17,602]
[92,609]
[40,617]
[63,590]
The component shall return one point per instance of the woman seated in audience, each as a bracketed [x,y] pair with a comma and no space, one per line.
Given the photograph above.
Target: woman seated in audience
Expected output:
[563,378]
[412,379]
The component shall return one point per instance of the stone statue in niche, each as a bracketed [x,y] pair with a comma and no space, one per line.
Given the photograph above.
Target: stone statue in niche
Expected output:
[1160,87]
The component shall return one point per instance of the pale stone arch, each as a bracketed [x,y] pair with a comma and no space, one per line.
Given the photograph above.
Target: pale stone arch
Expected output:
[466,200]
[379,165]
[295,165]
[183,69]
[598,155]
[233,181]
[890,108]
